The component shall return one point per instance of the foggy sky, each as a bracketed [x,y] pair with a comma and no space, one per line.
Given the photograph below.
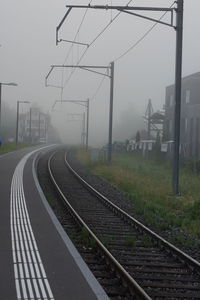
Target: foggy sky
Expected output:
[28,49]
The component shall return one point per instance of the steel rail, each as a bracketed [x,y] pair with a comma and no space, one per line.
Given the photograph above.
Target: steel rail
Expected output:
[193,264]
[135,289]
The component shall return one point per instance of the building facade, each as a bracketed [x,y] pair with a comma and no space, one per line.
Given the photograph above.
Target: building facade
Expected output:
[190,115]
[32,126]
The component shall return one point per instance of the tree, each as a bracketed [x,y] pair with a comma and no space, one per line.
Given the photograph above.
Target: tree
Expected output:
[137,137]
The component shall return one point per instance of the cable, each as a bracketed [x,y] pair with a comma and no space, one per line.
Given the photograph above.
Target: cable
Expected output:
[83,18]
[98,88]
[104,29]
[93,41]
[143,37]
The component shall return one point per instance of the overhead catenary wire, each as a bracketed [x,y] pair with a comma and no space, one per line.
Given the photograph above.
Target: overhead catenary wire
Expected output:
[92,42]
[71,49]
[98,88]
[101,32]
[130,48]
[78,30]
[143,36]
[106,27]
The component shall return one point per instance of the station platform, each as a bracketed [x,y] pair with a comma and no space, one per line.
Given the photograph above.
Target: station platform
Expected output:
[37,259]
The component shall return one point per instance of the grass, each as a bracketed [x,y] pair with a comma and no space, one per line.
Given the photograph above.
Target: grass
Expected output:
[130,241]
[148,184]
[8,147]
[86,239]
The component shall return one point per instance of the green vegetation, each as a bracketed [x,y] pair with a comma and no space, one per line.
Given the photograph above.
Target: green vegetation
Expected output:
[8,147]
[50,199]
[147,241]
[86,239]
[106,240]
[130,241]
[148,184]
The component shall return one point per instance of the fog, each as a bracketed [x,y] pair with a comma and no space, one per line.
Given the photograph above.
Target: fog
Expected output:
[28,49]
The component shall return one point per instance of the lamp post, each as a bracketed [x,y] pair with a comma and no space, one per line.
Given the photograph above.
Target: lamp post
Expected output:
[3,83]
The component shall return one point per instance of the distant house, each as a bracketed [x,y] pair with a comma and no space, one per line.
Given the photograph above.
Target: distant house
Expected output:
[190,115]
[32,126]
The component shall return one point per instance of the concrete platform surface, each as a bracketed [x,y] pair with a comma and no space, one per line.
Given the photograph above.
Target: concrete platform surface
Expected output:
[37,258]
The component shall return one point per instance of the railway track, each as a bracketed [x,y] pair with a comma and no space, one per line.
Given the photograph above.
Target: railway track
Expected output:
[143,265]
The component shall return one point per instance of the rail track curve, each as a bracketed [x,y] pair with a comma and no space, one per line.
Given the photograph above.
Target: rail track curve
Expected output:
[147,265]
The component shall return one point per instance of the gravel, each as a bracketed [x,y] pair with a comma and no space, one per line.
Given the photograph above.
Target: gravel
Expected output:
[119,198]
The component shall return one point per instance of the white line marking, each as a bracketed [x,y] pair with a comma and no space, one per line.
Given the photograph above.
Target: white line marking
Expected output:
[42,288]
[26,257]
[24,288]
[48,288]
[30,289]
[16,271]
[21,272]
[26,271]
[18,289]
[36,288]
[32,271]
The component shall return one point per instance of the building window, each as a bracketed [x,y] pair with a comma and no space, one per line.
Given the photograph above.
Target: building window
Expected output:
[187,96]
[170,126]
[186,125]
[171,100]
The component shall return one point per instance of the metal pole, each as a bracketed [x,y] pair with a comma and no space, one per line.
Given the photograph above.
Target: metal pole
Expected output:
[45,128]
[87,128]
[30,137]
[17,123]
[83,130]
[39,127]
[149,120]
[111,113]
[177,112]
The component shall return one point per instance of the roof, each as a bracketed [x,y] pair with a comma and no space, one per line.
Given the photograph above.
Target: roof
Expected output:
[187,78]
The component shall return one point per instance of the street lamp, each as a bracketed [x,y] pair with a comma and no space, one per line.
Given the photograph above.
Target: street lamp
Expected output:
[17,122]
[3,83]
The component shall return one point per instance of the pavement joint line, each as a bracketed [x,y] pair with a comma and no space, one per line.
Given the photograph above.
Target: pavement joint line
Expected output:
[30,278]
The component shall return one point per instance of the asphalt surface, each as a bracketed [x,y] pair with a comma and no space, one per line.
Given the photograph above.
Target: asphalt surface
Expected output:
[63,274]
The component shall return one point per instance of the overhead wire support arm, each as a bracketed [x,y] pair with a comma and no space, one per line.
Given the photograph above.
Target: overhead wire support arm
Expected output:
[62,21]
[54,105]
[78,66]
[103,74]
[150,19]
[48,76]
[79,102]
[111,77]
[73,42]
[121,7]
[84,103]
[128,9]
[86,68]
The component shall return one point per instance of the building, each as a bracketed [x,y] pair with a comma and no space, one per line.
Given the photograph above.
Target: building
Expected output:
[190,116]
[155,121]
[32,126]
